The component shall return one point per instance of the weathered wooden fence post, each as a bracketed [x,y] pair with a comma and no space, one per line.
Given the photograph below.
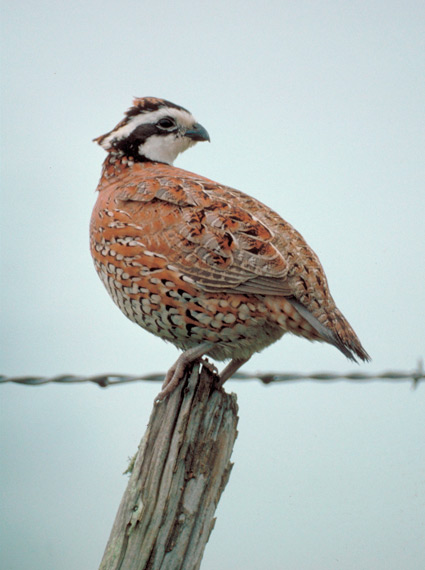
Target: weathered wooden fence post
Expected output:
[181,468]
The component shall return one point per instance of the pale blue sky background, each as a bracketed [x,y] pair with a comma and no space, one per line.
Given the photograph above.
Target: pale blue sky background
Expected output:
[317,109]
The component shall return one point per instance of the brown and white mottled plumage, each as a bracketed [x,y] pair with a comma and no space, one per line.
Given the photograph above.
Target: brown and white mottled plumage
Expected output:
[200,264]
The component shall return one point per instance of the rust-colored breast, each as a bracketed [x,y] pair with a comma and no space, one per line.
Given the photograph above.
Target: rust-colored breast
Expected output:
[191,260]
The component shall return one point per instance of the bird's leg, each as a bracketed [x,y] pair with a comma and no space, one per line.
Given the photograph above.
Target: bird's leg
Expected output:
[177,371]
[230,369]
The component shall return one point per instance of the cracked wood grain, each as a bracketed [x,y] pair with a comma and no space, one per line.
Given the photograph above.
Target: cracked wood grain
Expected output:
[180,471]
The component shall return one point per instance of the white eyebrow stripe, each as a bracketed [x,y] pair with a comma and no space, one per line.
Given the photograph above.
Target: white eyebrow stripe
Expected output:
[182,117]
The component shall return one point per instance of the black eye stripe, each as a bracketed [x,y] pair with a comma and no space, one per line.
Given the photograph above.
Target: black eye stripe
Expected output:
[166,123]
[130,144]
[142,132]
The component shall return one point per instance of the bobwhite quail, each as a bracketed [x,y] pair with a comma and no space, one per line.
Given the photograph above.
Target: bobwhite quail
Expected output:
[200,264]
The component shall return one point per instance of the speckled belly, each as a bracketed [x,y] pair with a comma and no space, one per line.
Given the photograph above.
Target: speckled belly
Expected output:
[167,306]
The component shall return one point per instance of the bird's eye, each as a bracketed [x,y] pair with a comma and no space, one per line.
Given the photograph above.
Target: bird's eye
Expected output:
[166,123]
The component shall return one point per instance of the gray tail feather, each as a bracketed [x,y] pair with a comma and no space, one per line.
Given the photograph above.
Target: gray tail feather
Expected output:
[348,344]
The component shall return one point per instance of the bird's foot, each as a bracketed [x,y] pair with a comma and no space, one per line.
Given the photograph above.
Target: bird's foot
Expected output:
[210,366]
[178,369]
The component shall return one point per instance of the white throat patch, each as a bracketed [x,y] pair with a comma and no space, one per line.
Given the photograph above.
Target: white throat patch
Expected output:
[160,148]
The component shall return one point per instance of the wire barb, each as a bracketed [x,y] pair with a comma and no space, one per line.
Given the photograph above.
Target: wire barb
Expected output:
[105,380]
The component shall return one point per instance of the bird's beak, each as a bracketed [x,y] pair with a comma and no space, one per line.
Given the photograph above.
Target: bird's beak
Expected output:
[197,133]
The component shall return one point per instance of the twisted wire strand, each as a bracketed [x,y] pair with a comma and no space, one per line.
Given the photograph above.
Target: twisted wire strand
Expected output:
[105,380]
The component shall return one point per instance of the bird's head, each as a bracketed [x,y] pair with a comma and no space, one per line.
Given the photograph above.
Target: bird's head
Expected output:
[154,130]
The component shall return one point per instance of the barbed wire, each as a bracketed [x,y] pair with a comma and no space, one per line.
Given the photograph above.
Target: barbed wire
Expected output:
[105,380]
